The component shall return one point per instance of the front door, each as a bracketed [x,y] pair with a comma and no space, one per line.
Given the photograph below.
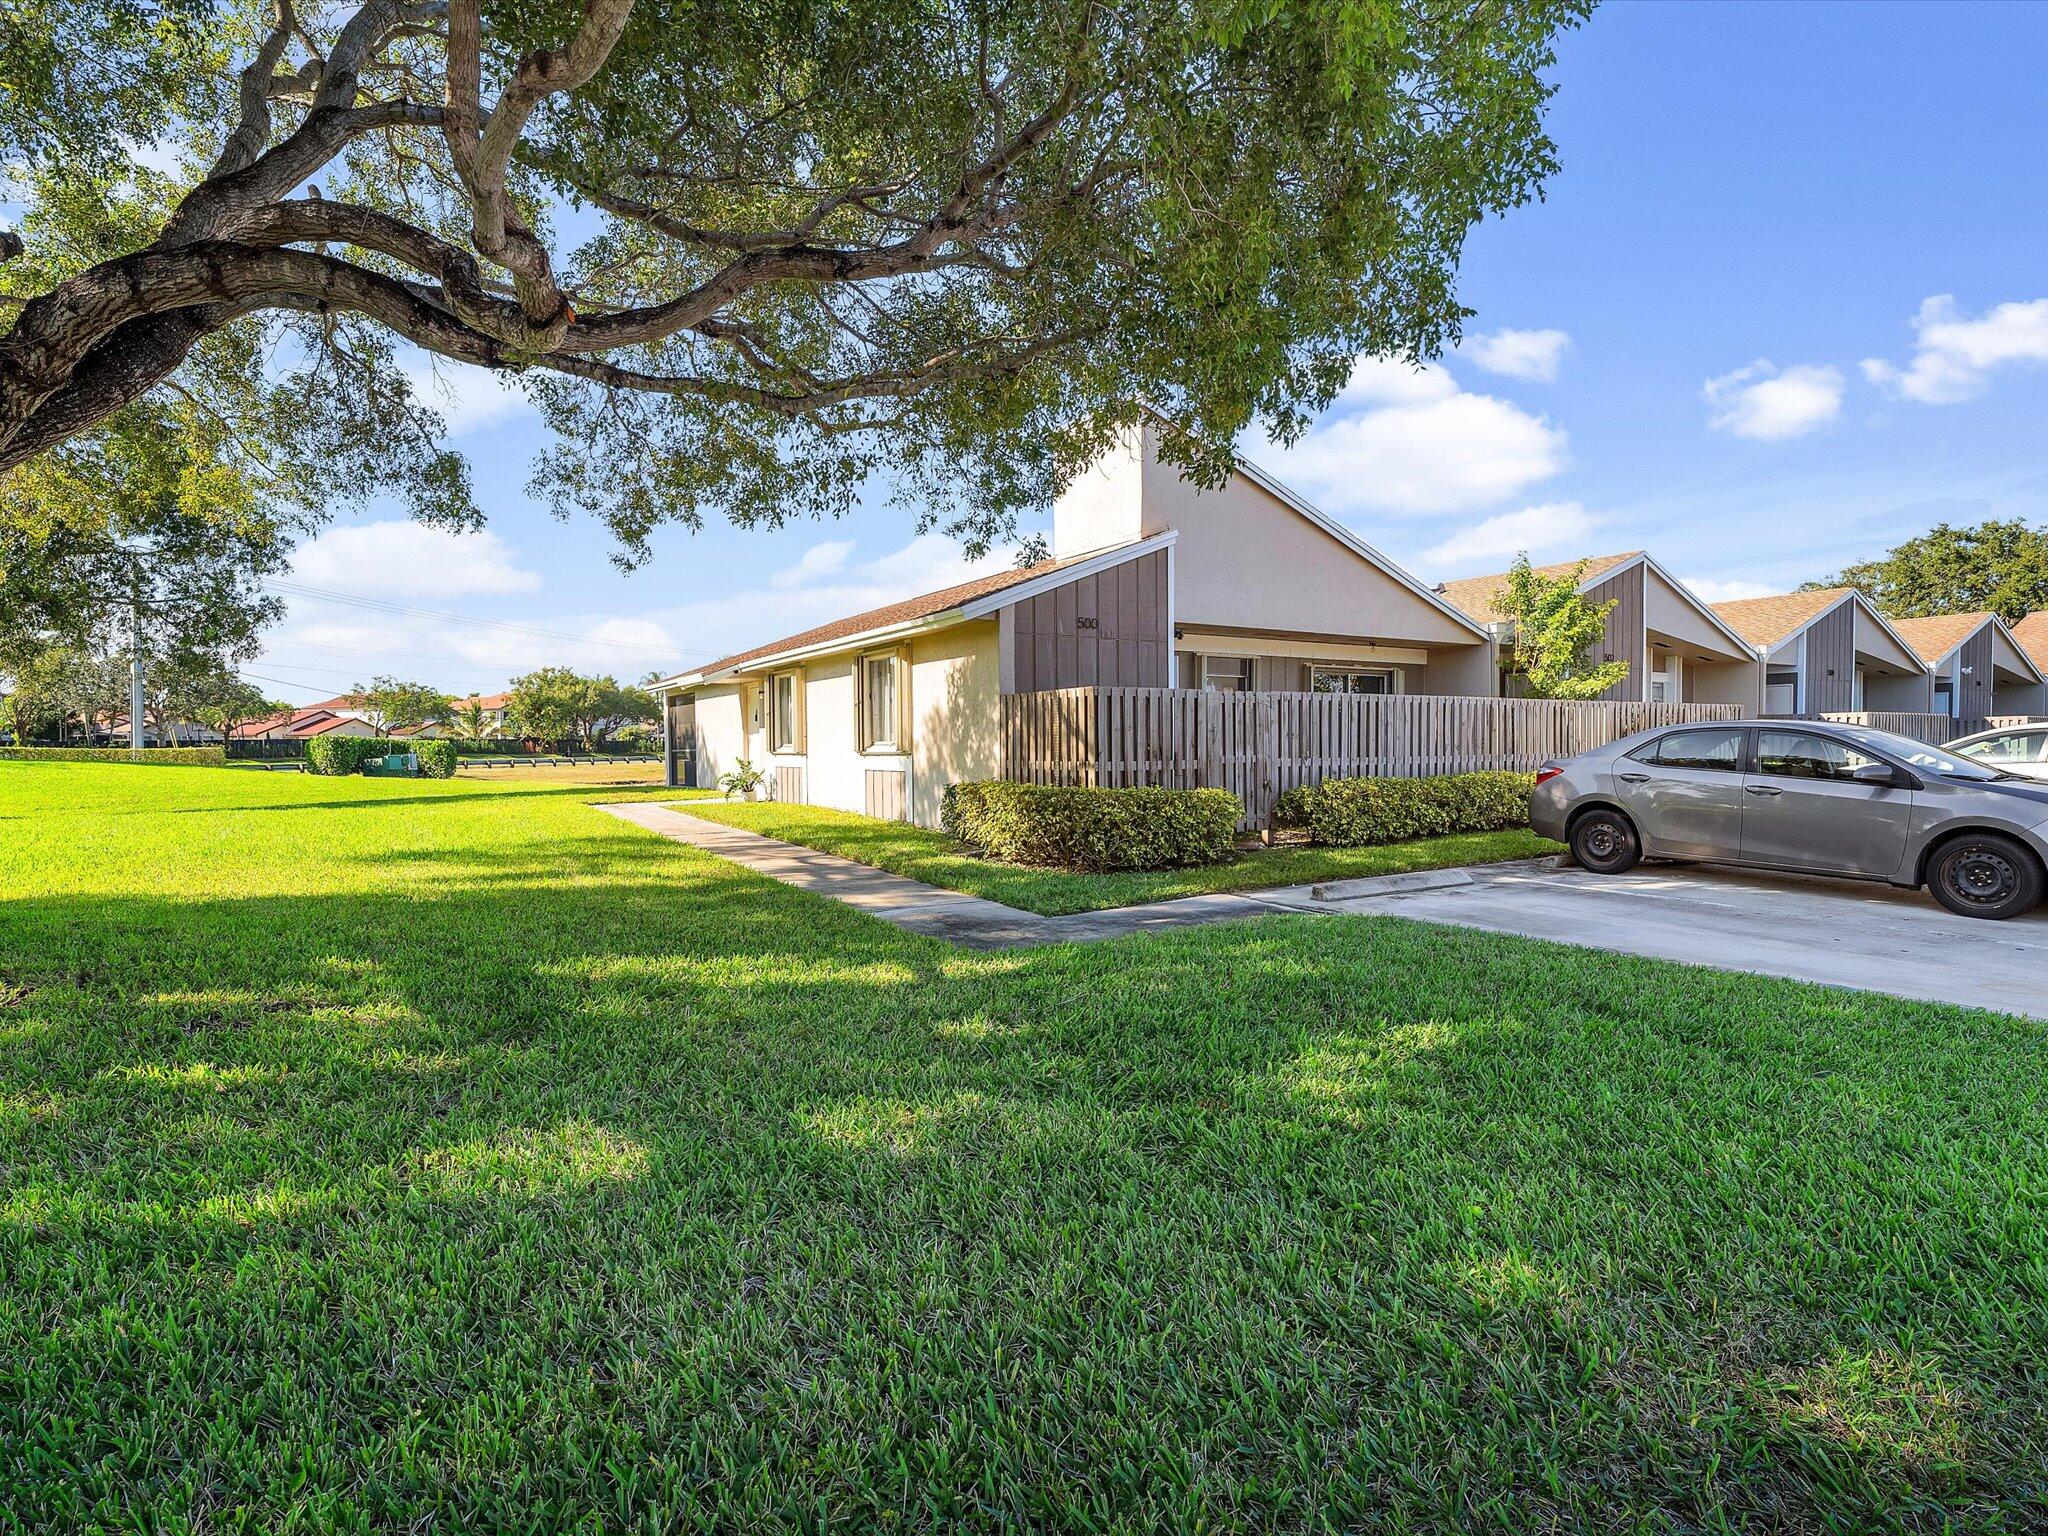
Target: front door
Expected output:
[1803,810]
[1684,792]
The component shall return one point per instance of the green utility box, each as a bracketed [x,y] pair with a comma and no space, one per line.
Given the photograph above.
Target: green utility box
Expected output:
[395,765]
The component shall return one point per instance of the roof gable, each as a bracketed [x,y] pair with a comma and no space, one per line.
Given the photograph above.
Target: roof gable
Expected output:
[1769,621]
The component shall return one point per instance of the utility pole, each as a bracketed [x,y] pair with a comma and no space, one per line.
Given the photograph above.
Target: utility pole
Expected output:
[135,659]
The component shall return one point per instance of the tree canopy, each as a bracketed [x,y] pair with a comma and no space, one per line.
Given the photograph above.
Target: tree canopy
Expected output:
[1998,565]
[561,704]
[740,258]
[396,705]
[1556,631]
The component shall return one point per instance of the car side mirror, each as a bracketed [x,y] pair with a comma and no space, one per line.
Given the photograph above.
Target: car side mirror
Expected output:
[1874,773]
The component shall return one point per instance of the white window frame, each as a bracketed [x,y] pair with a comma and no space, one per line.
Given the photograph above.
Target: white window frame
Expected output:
[897,743]
[793,743]
[1247,676]
[1342,669]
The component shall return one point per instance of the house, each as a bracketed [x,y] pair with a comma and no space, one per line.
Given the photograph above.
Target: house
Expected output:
[1152,582]
[2031,635]
[1978,668]
[296,724]
[493,705]
[1829,652]
[1678,650]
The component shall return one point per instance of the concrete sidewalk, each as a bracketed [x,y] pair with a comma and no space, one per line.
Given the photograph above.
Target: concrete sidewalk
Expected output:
[1836,932]
[971,921]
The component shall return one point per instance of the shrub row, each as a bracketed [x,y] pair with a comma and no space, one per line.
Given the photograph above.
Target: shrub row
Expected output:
[1359,813]
[175,757]
[340,755]
[1092,828]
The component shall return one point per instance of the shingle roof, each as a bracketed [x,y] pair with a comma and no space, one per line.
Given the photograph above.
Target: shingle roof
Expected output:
[1475,594]
[1767,620]
[485,701]
[2032,634]
[910,608]
[1935,636]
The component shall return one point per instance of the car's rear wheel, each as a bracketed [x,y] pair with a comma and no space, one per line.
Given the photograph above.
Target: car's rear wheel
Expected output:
[1605,842]
[1985,874]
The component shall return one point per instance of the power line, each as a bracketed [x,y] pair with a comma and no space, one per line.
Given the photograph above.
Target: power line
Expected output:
[383,605]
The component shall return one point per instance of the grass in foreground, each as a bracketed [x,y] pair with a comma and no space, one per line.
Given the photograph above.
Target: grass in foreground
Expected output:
[903,849]
[377,1155]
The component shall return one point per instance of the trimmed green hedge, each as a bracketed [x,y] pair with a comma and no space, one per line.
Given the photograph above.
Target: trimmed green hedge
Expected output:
[1361,813]
[1092,829]
[437,759]
[174,757]
[340,755]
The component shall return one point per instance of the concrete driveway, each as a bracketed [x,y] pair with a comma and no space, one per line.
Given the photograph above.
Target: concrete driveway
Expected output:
[1842,933]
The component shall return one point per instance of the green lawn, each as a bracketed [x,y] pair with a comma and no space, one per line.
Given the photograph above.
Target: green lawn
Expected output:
[395,1156]
[906,850]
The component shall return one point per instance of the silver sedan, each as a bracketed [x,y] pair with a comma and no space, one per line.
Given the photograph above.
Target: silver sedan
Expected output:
[1818,799]
[2020,749]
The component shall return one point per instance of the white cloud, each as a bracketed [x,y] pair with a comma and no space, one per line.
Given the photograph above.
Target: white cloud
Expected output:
[406,559]
[1953,356]
[469,398]
[1765,402]
[1531,355]
[819,561]
[1710,590]
[1410,440]
[1554,525]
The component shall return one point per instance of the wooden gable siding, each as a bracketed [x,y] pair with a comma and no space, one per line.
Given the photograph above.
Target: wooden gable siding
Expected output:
[1973,674]
[1831,662]
[1107,629]
[1625,637]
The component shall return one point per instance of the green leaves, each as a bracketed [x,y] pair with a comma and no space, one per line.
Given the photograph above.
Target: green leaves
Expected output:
[1556,632]
[1999,566]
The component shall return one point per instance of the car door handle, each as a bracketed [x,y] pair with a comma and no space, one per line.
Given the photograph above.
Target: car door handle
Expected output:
[1761,789]
[1633,778]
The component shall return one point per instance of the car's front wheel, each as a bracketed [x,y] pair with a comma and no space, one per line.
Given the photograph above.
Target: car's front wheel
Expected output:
[1984,874]
[1605,842]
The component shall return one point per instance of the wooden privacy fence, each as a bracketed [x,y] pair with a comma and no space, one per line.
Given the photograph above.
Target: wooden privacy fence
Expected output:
[1260,745]
[1935,730]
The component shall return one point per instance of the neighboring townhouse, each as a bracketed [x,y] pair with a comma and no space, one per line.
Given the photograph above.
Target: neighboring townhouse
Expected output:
[1152,582]
[1678,649]
[1829,652]
[1978,668]
[2031,635]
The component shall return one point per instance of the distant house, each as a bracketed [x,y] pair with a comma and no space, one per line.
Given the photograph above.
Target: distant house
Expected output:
[1978,667]
[1829,652]
[1678,649]
[493,705]
[296,724]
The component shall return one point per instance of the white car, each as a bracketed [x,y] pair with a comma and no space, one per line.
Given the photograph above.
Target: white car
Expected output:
[2020,749]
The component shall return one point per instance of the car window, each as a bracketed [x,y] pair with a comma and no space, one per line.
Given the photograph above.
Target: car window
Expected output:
[2012,747]
[1803,755]
[1715,750]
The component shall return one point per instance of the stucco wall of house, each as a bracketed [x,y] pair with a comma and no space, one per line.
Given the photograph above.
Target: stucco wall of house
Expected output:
[721,732]
[1872,640]
[956,723]
[1725,682]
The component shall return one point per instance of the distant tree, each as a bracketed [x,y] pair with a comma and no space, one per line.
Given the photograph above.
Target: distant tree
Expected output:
[63,692]
[393,705]
[232,704]
[470,720]
[553,704]
[1556,632]
[561,704]
[1997,565]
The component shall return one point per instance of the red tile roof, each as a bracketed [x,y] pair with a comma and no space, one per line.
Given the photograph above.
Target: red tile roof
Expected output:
[291,719]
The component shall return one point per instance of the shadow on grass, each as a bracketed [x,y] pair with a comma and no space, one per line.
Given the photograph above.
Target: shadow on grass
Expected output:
[592,1175]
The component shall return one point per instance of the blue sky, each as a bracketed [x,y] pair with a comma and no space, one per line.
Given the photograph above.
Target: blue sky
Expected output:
[1783,306]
